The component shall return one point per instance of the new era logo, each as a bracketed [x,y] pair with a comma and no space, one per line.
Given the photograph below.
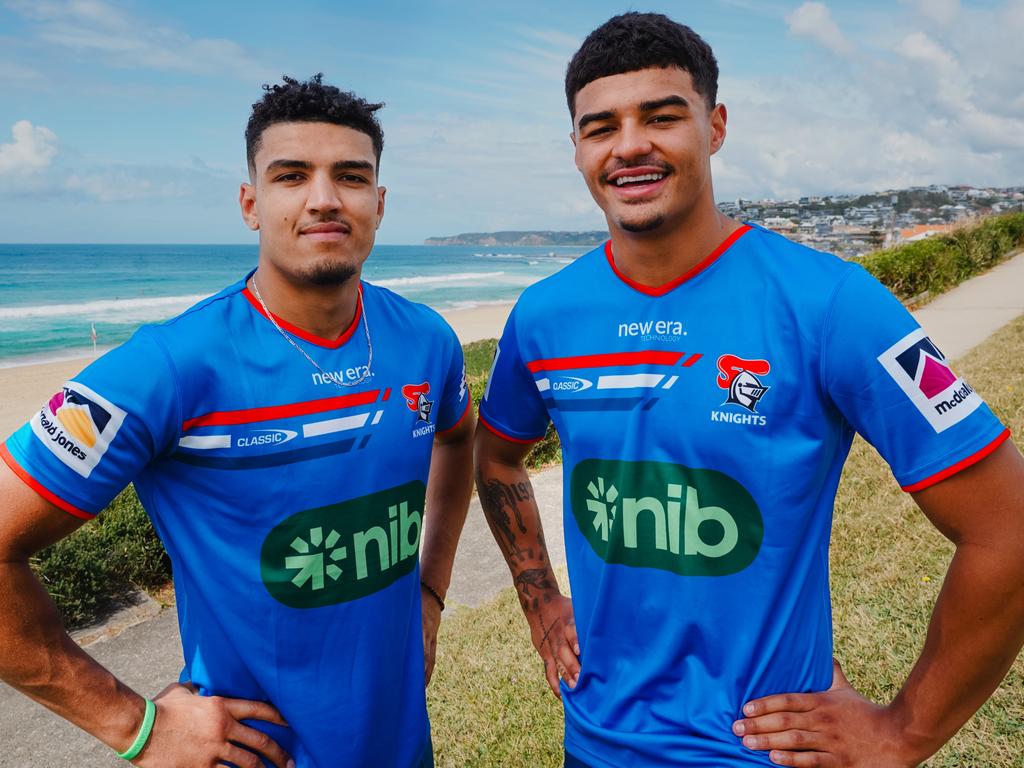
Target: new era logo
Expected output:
[921,371]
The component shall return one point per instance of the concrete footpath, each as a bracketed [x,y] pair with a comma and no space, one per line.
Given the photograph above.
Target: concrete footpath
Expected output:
[147,654]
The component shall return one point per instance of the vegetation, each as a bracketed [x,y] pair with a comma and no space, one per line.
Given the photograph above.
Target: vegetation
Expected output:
[489,704]
[938,263]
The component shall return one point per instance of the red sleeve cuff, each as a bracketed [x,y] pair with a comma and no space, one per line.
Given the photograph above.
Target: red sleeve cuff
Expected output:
[503,436]
[38,487]
[949,471]
[446,430]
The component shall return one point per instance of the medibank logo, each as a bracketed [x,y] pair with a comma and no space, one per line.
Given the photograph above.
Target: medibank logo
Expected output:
[345,551]
[649,514]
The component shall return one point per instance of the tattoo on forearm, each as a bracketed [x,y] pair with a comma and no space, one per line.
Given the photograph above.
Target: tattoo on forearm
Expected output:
[500,502]
[537,579]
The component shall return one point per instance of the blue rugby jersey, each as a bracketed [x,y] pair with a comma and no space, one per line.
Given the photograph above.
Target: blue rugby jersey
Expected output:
[291,508]
[704,425]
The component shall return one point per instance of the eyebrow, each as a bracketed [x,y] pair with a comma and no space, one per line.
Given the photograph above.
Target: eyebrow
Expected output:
[643,106]
[304,165]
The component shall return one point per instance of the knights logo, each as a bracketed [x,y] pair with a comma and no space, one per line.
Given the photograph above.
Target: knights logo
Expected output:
[416,400]
[740,378]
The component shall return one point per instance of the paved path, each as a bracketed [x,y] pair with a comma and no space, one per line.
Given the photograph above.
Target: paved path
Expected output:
[147,656]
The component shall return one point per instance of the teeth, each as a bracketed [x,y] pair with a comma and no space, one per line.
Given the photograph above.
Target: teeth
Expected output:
[634,179]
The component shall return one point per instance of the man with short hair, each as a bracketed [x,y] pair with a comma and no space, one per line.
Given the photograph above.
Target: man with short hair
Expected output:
[706,379]
[280,435]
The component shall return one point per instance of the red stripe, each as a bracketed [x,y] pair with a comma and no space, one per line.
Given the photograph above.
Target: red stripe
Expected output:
[503,436]
[974,458]
[693,359]
[649,357]
[250,415]
[306,335]
[661,290]
[36,486]
[387,394]
[462,418]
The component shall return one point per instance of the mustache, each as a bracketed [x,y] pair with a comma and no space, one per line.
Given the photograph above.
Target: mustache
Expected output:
[328,219]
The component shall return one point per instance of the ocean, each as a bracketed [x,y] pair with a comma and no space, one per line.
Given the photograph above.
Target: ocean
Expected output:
[51,296]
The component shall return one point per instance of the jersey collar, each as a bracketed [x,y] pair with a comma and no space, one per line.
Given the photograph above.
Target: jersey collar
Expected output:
[661,290]
[306,335]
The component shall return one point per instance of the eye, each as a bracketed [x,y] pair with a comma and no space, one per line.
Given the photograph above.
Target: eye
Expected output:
[665,119]
[599,130]
[289,177]
[352,178]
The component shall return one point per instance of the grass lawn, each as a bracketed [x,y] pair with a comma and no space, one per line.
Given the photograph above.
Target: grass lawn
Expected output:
[489,704]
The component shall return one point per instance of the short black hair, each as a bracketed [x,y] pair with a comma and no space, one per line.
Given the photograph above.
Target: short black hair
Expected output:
[634,41]
[311,102]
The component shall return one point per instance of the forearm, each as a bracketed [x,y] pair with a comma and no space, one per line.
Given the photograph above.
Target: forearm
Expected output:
[975,633]
[38,658]
[448,492]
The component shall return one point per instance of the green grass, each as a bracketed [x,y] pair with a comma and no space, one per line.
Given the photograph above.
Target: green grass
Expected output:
[490,707]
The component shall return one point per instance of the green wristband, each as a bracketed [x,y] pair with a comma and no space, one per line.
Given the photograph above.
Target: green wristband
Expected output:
[143,736]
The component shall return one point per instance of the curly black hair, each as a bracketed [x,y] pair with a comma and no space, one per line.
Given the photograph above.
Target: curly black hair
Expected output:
[634,41]
[311,102]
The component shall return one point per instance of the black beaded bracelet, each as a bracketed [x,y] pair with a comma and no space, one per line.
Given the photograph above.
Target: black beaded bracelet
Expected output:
[433,593]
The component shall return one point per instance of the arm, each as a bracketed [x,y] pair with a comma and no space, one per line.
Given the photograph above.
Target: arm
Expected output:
[38,658]
[975,633]
[506,496]
[448,491]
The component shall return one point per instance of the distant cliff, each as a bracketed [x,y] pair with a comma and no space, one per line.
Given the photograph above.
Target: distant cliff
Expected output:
[520,238]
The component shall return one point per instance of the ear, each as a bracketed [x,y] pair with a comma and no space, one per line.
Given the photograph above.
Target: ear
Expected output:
[576,148]
[247,203]
[719,117]
[381,194]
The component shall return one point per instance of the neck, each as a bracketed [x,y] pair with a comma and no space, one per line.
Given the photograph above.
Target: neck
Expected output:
[326,311]
[660,256]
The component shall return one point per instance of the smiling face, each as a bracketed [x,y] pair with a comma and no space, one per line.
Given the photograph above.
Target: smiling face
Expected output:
[314,200]
[644,142]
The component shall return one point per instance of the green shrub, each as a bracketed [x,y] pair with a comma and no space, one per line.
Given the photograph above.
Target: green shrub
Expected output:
[939,263]
[103,561]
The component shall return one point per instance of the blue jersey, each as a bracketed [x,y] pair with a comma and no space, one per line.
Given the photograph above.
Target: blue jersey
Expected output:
[704,425]
[291,507]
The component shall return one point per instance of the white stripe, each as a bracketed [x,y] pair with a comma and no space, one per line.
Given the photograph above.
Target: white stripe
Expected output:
[630,380]
[376,417]
[205,442]
[670,382]
[543,385]
[317,428]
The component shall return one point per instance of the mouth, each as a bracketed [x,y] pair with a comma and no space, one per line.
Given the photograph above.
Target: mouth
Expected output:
[326,231]
[638,182]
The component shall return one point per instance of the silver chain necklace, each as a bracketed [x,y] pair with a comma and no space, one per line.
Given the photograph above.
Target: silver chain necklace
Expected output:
[332,377]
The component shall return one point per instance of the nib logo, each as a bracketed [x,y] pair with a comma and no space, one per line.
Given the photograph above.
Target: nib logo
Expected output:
[651,514]
[311,564]
[603,506]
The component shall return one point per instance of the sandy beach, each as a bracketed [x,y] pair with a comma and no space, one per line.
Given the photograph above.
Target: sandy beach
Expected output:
[26,387]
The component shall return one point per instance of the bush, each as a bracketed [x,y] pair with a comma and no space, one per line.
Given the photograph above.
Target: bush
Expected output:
[104,560]
[939,263]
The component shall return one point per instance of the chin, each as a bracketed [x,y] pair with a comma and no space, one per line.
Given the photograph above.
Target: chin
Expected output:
[641,223]
[328,273]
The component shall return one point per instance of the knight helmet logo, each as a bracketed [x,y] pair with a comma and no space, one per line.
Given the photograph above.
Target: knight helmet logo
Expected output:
[416,400]
[739,377]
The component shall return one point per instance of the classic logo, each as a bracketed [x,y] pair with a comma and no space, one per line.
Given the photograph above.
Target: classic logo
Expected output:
[921,371]
[265,437]
[77,426]
[650,514]
[570,384]
[416,400]
[345,551]
[739,377]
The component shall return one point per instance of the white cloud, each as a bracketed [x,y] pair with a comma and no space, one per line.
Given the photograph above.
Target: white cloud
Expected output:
[814,22]
[98,27]
[32,150]
[941,11]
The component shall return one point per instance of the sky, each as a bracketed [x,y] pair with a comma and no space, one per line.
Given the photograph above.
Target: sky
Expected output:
[122,121]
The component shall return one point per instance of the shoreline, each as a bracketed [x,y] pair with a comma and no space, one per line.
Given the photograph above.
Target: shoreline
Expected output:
[27,386]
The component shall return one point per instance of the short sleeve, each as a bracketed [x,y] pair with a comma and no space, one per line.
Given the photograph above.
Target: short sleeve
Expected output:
[897,389]
[455,397]
[512,406]
[100,429]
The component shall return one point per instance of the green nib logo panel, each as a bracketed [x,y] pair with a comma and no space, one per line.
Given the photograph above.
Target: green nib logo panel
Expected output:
[345,551]
[650,514]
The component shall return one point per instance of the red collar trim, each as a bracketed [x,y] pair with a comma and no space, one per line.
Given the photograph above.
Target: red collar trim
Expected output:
[306,335]
[661,290]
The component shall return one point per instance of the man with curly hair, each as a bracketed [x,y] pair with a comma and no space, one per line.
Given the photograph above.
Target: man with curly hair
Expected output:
[280,435]
[706,378]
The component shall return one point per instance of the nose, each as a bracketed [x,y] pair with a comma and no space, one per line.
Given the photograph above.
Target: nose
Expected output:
[323,195]
[632,141]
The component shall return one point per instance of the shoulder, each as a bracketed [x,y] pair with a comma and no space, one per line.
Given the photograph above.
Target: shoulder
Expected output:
[800,263]
[390,312]
[574,282]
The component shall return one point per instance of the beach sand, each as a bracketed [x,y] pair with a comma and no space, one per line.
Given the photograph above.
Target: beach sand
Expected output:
[25,388]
